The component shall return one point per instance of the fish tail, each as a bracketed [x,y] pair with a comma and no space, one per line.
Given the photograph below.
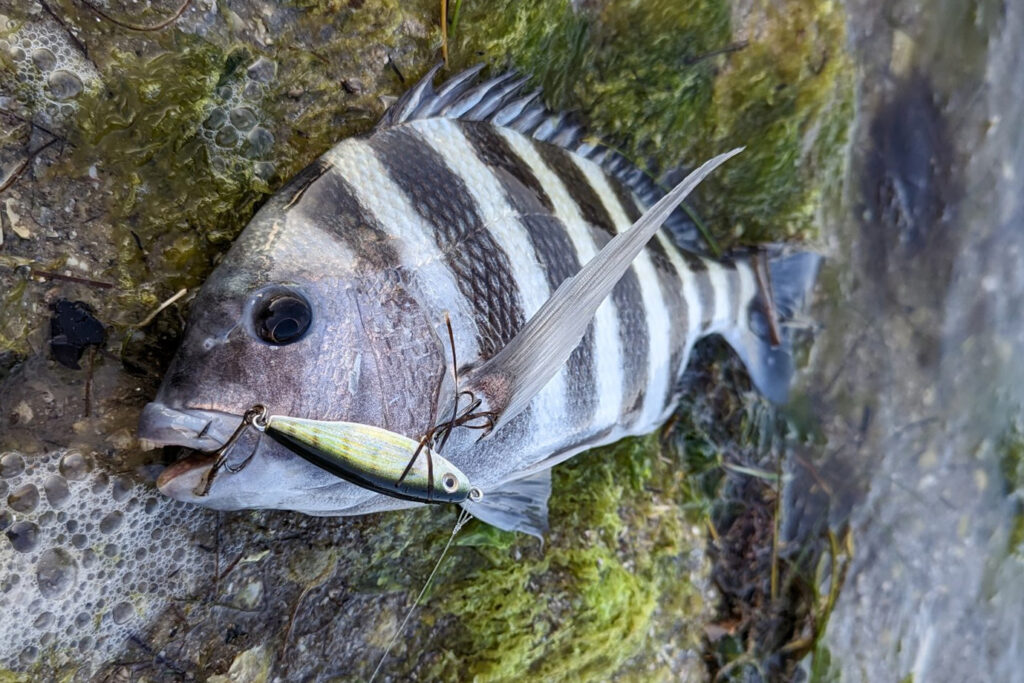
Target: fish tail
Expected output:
[766,322]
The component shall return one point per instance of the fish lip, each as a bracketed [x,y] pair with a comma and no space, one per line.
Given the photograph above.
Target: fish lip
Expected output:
[197,428]
[181,479]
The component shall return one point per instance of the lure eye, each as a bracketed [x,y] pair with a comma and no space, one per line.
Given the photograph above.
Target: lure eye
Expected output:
[282,318]
[450,483]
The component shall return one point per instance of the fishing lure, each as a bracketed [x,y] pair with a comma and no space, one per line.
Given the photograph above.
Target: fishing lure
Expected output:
[374,458]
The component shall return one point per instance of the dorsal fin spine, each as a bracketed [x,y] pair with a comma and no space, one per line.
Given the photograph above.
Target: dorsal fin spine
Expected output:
[498,101]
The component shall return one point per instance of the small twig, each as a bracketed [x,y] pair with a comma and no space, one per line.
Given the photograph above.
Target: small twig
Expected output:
[158,657]
[47,275]
[394,67]
[13,177]
[138,27]
[149,318]
[764,284]
[19,117]
[316,583]
[88,380]
[735,47]
[231,566]
[776,527]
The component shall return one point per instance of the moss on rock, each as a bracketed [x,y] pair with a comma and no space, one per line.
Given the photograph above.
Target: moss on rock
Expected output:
[676,82]
[1011,460]
[615,577]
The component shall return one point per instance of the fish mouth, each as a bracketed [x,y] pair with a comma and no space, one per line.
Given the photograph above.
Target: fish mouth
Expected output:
[181,480]
[198,431]
[196,428]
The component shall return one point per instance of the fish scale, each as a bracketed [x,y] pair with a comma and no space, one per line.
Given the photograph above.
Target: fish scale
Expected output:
[474,205]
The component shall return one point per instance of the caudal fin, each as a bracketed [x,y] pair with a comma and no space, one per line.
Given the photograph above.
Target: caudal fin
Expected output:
[764,337]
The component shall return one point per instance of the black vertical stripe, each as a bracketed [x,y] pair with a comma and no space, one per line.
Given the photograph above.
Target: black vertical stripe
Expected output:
[626,200]
[551,244]
[330,203]
[586,198]
[482,270]
[416,361]
[626,295]
[525,191]
[633,335]
[705,292]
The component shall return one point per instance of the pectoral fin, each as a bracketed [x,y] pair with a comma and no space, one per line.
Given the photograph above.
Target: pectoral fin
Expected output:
[521,505]
[512,377]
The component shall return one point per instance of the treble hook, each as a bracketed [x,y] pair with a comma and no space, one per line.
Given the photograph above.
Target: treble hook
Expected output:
[255,417]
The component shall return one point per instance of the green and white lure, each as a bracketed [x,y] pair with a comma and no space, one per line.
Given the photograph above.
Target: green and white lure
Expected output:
[372,457]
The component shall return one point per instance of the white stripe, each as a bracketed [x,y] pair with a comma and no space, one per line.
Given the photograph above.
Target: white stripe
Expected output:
[414,241]
[658,325]
[607,355]
[503,224]
[720,286]
[748,290]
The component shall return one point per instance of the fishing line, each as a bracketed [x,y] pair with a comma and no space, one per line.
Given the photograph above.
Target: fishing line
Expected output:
[464,517]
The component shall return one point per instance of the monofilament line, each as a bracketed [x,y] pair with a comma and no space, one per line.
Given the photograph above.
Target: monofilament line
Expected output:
[459,523]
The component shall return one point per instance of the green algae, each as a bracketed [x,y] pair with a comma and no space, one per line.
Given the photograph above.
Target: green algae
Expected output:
[1011,465]
[613,568]
[674,83]
[170,208]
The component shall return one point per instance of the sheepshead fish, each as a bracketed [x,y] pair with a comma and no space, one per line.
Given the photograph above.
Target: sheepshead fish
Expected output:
[474,204]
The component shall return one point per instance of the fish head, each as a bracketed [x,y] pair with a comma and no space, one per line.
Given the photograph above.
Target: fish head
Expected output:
[292,321]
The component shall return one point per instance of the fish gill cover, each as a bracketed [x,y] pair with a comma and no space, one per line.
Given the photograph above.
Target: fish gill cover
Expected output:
[140,176]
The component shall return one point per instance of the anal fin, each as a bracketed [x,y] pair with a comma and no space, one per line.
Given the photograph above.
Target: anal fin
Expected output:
[520,505]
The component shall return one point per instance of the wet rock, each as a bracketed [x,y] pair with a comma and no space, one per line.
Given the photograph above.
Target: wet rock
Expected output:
[262,70]
[242,118]
[56,488]
[259,141]
[74,466]
[216,118]
[11,465]
[122,612]
[249,597]
[44,59]
[251,666]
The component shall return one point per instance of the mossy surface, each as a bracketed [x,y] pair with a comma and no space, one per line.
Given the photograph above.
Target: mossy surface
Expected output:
[1011,460]
[614,578]
[672,83]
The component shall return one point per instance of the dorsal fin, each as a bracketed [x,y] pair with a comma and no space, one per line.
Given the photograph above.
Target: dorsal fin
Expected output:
[502,101]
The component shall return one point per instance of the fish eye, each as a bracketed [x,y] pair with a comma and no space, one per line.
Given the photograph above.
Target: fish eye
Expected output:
[282,318]
[450,482]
